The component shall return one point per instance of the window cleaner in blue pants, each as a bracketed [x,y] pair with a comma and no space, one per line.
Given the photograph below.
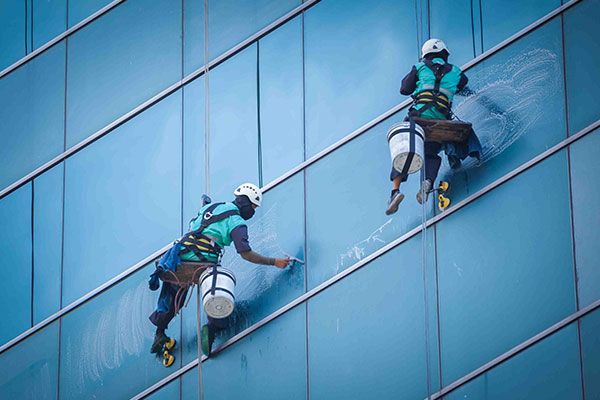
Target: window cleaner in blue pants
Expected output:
[432,83]
[216,226]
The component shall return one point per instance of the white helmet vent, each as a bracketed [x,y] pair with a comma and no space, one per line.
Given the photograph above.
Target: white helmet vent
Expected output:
[250,190]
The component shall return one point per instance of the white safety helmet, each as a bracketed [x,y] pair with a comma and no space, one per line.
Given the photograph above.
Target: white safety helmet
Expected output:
[433,46]
[252,191]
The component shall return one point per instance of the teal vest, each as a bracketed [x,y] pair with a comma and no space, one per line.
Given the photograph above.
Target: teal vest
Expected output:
[220,231]
[426,82]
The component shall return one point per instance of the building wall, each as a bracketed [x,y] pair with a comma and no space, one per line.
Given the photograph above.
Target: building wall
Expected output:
[505,266]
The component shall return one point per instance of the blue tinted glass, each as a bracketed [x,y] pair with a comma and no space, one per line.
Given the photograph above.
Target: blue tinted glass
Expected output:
[81,9]
[232,21]
[281,103]
[590,349]
[15,247]
[366,337]
[108,339]
[122,198]
[12,31]
[252,368]
[548,370]
[120,61]
[269,364]
[501,21]
[502,260]
[194,159]
[30,369]
[354,51]
[585,166]
[193,35]
[189,329]
[453,24]
[32,114]
[277,229]
[517,108]
[233,124]
[49,20]
[582,51]
[189,385]
[169,392]
[347,193]
[47,234]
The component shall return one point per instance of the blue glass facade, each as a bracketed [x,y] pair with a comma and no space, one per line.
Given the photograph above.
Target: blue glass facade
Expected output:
[110,137]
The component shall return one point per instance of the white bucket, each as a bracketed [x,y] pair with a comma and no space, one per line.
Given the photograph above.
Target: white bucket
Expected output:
[406,144]
[218,296]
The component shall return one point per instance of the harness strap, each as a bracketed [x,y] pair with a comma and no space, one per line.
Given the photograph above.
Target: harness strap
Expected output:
[434,98]
[196,242]
[411,150]
[213,285]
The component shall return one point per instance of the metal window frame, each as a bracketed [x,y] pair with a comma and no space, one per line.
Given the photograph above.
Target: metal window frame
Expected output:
[392,245]
[311,161]
[60,37]
[233,51]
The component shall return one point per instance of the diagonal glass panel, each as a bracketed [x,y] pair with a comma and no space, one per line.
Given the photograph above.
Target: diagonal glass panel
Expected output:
[16,250]
[505,268]
[30,369]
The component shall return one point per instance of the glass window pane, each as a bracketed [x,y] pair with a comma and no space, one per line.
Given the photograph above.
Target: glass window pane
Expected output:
[108,340]
[49,20]
[366,337]
[548,370]
[347,193]
[232,21]
[233,124]
[120,61]
[47,240]
[454,25]
[12,32]
[81,9]
[29,371]
[500,22]
[193,35]
[168,392]
[502,260]
[194,157]
[281,102]
[517,110]
[582,52]
[355,51]
[590,349]
[269,364]
[15,247]
[585,167]
[122,198]
[32,114]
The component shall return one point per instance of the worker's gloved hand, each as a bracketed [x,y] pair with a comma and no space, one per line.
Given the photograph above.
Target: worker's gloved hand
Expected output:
[282,262]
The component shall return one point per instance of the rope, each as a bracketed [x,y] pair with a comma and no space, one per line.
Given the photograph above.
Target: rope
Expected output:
[199,343]
[206,102]
[207,182]
[424,267]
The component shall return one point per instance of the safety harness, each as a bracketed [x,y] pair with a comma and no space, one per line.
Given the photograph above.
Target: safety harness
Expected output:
[434,97]
[197,242]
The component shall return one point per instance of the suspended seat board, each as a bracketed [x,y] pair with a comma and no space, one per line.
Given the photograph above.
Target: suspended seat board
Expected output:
[439,130]
[187,273]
